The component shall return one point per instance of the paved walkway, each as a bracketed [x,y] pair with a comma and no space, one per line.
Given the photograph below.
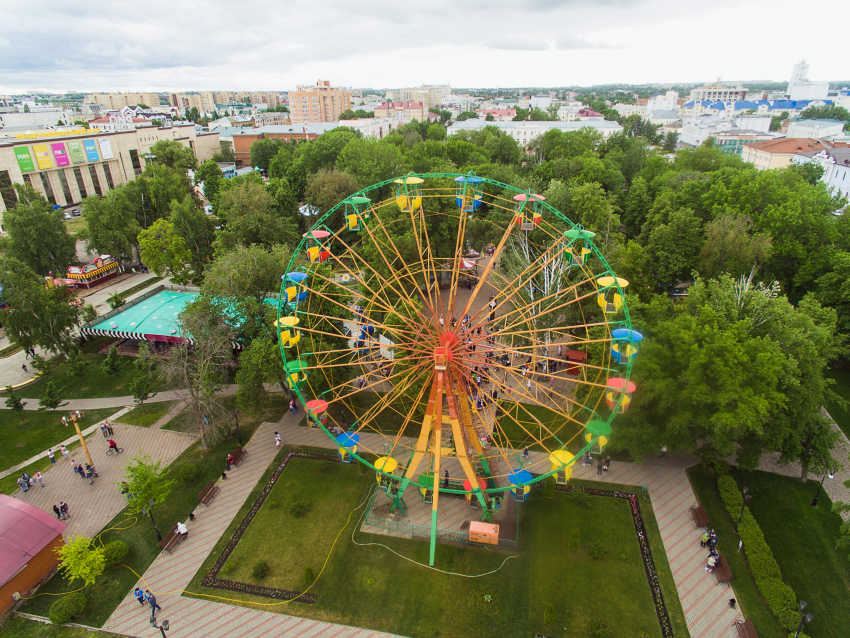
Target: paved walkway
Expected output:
[91,507]
[170,574]
[120,402]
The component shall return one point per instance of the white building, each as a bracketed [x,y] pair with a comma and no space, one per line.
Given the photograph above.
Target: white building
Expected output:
[667,102]
[625,110]
[697,130]
[719,92]
[665,117]
[569,111]
[525,132]
[541,101]
[801,88]
[55,117]
[836,164]
[817,129]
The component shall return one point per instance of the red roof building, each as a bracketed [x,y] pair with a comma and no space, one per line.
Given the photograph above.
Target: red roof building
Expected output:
[28,537]
[402,110]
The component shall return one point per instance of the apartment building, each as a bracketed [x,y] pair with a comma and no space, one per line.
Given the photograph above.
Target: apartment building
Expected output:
[429,96]
[719,92]
[406,111]
[203,101]
[319,103]
[117,101]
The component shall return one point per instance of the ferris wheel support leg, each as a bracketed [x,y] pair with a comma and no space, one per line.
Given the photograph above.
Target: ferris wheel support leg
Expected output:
[438,432]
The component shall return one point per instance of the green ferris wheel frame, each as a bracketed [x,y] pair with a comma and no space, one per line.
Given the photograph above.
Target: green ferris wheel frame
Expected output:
[298,264]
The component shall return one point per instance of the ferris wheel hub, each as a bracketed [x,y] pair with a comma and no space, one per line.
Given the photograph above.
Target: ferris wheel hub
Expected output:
[442,357]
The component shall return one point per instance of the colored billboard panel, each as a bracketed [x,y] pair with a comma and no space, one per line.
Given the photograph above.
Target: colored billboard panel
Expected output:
[42,156]
[60,154]
[24,157]
[105,148]
[75,149]
[91,150]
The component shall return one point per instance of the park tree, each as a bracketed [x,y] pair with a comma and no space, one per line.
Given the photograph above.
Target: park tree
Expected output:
[262,151]
[732,247]
[638,204]
[371,161]
[674,247]
[165,251]
[35,314]
[36,234]
[249,218]
[670,141]
[777,120]
[226,154]
[142,388]
[833,288]
[149,196]
[89,313]
[286,204]
[280,163]
[826,112]
[81,559]
[200,370]
[111,226]
[436,132]
[76,363]
[326,189]
[210,175]
[196,230]
[50,399]
[148,486]
[173,154]
[259,363]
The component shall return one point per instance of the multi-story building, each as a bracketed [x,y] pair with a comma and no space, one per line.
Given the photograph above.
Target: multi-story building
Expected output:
[272,118]
[719,93]
[203,101]
[319,103]
[500,115]
[801,88]
[625,110]
[430,96]
[57,117]
[836,164]
[778,153]
[406,111]
[66,166]
[525,132]
[814,128]
[667,102]
[117,101]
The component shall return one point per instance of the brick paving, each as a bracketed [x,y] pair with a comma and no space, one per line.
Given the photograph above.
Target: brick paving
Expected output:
[170,574]
[91,507]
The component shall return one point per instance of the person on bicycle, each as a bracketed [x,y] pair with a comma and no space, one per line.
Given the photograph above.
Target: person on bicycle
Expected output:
[113,446]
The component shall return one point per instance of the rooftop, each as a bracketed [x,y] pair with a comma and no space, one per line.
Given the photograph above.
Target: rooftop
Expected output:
[24,531]
[788,145]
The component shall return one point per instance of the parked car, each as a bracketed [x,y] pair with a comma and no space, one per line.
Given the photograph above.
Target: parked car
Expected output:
[67,215]
[76,212]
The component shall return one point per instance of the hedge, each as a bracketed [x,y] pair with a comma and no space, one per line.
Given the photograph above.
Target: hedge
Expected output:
[115,552]
[67,607]
[779,596]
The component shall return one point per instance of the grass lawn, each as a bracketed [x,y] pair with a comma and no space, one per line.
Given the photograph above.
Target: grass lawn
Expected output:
[96,383]
[27,433]
[803,540]
[520,421]
[17,627]
[842,389]
[148,414]
[111,587]
[371,587]
[147,282]
[753,606]
[75,225]
[389,418]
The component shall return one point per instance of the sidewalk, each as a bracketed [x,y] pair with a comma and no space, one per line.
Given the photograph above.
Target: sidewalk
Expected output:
[170,574]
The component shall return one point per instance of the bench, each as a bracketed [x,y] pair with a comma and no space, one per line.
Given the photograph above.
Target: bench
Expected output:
[746,629]
[208,493]
[171,539]
[238,454]
[699,515]
[722,571]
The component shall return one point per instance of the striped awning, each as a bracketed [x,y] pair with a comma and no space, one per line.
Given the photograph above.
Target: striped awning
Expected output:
[121,334]
[92,273]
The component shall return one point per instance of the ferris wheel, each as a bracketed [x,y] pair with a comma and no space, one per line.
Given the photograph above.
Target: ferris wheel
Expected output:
[440,324]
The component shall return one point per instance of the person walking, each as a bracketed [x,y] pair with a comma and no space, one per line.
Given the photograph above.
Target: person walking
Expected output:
[663,451]
[104,429]
[63,508]
[704,540]
[446,480]
[277,439]
[599,468]
[58,512]
[24,366]
[37,477]
[65,452]
[152,601]
[51,456]
[24,485]
[109,429]
[140,595]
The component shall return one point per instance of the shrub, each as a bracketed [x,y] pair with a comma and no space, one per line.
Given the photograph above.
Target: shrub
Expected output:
[766,573]
[261,570]
[188,473]
[272,505]
[549,615]
[623,558]
[115,552]
[549,488]
[325,467]
[597,550]
[575,539]
[112,363]
[598,629]
[229,566]
[299,508]
[67,608]
[580,498]
[308,576]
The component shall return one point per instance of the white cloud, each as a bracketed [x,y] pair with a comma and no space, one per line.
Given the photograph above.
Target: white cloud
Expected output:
[219,44]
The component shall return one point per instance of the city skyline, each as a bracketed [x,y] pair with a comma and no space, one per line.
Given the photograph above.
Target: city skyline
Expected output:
[109,47]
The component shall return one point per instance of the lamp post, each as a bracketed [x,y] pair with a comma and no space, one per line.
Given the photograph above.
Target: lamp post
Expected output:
[162,628]
[238,433]
[747,499]
[804,618]
[820,487]
[149,512]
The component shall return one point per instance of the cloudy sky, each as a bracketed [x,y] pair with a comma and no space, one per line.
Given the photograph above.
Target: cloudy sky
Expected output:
[190,44]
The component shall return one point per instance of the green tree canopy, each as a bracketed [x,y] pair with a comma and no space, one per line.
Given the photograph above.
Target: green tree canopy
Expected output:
[250,217]
[173,154]
[164,251]
[111,226]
